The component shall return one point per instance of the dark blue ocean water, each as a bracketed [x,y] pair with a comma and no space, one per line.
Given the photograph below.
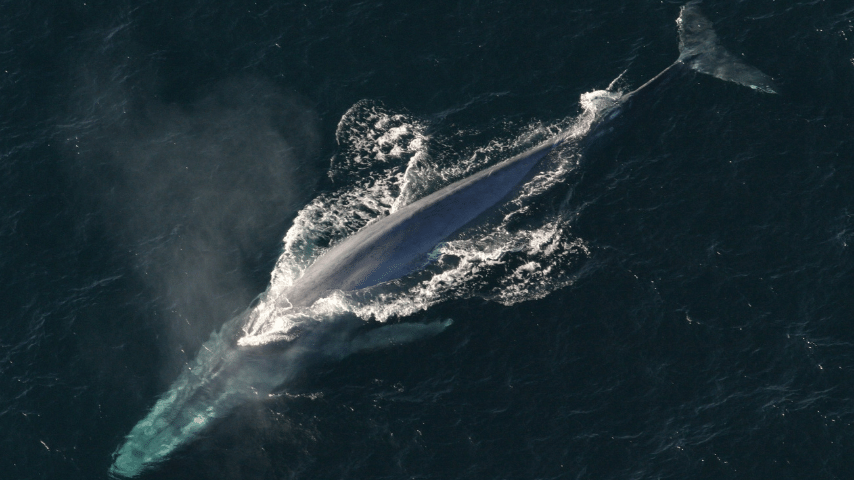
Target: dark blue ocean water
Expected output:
[154,154]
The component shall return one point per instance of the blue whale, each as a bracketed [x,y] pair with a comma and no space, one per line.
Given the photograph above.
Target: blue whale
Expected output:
[225,375]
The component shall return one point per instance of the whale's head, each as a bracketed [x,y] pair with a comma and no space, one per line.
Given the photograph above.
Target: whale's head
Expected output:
[222,377]
[206,391]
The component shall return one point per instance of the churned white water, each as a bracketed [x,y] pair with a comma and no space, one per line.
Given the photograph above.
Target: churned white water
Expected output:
[386,162]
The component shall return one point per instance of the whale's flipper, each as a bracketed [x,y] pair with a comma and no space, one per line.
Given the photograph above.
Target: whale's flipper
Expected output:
[700,49]
[390,335]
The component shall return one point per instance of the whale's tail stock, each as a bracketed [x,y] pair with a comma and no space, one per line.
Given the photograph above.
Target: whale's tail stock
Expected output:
[700,50]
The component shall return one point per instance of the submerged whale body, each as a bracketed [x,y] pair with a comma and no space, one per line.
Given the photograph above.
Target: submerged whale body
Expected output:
[225,375]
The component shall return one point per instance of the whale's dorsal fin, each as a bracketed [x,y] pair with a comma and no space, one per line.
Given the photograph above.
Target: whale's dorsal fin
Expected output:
[700,49]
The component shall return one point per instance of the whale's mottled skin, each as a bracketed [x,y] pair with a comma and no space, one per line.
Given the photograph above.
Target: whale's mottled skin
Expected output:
[225,375]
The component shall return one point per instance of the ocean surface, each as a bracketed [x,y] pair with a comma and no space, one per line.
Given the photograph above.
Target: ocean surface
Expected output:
[677,303]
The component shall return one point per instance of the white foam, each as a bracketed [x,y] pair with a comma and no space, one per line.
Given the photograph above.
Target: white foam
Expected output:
[385,163]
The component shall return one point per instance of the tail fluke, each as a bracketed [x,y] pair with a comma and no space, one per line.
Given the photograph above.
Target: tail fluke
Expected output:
[700,49]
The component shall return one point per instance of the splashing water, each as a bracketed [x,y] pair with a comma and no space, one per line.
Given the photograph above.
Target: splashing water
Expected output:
[386,163]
